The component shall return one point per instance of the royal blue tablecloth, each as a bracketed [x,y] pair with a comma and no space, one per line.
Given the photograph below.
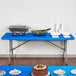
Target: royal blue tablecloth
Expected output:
[26,70]
[30,36]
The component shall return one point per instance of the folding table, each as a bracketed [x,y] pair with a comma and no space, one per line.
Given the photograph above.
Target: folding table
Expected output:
[30,37]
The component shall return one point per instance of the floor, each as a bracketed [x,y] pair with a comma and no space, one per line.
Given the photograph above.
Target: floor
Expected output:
[33,61]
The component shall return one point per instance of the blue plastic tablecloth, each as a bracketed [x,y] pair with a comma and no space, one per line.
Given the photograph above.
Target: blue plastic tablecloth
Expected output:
[26,70]
[30,36]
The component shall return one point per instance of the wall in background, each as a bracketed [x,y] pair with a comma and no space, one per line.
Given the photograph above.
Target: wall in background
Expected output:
[38,14]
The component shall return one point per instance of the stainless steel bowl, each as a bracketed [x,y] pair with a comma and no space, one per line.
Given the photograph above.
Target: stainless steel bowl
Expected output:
[18,30]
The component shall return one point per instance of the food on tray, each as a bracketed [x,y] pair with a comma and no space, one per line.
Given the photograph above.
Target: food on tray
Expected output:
[73,71]
[59,71]
[15,71]
[2,72]
[40,70]
[40,32]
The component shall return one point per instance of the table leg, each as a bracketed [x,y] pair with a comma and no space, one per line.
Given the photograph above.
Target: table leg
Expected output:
[65,52]
[10,51]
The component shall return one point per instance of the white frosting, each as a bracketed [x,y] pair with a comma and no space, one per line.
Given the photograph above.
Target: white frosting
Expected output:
[40,68]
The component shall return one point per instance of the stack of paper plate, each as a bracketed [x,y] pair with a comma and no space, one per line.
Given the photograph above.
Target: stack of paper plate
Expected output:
[55,34]
[66,34]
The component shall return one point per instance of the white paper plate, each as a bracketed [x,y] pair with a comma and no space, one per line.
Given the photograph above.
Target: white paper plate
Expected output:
[19,72]
[55,72]
[3,74]
[66,36]
[55,36]
[55,33]
[72,71]
[46,75]
[65,33]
